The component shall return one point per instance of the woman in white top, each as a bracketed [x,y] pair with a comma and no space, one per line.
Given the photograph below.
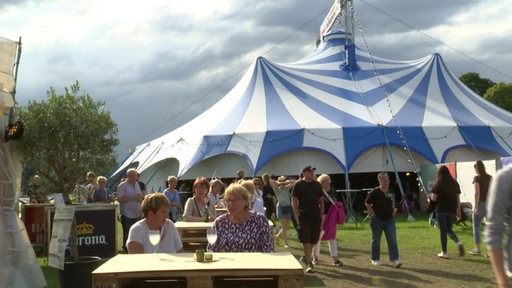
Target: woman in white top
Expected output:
[256,203]
[92,184]
[155,208]
[214,196]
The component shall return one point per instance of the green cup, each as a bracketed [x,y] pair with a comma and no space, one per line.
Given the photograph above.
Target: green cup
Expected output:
[208,256]
[199,255]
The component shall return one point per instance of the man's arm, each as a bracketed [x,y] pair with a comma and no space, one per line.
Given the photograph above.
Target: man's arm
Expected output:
[295,207]
[369,208]
[322,206]
[128,198]
[496,255]
[368,204]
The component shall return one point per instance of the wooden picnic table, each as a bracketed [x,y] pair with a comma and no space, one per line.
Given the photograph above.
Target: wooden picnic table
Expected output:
[182,270]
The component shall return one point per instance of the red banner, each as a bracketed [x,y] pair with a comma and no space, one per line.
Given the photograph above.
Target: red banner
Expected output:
[34,219]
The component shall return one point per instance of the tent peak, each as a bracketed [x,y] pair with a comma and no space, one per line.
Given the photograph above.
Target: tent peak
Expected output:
[339,37]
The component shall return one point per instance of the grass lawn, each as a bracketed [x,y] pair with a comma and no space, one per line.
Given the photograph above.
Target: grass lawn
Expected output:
[418,244]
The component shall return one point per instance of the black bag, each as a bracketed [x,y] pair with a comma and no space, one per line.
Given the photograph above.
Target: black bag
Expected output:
[287,209]
[431,206]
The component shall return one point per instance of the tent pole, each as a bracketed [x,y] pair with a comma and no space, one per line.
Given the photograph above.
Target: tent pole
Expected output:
[400,187]
[347,181]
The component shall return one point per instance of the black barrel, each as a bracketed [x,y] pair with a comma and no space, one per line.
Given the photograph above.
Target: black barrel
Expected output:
[77,274]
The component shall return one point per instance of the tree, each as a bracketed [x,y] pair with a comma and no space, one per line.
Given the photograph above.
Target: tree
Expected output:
[501,95]
[66,136]
[476,83]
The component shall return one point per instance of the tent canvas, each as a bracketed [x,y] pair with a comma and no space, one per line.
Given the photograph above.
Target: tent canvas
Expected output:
[465,175]
[17,258]
[282,116]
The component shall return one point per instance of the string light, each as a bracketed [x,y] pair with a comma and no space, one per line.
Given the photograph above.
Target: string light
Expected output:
[399,130]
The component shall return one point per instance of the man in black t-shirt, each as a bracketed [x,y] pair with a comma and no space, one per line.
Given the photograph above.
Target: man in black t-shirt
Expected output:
[381,209]
[308,207]
[142,186]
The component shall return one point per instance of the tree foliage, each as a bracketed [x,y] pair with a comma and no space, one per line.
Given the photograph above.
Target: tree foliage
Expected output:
[67,135]
[501,95]
[476,83]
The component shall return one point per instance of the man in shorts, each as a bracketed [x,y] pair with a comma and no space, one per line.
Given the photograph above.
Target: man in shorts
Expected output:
[308,207]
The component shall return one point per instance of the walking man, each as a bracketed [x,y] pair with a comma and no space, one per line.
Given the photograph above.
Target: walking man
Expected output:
[308,208]
[381,208]
[129,196]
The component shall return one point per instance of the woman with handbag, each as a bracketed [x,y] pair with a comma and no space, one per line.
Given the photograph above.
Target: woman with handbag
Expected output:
[329,201]
[283,208]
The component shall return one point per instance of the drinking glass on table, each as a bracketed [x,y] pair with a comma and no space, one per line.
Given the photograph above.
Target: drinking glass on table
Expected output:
[211,236]
[154,238]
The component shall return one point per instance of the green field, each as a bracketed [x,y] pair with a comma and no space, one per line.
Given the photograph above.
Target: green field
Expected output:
[418,245]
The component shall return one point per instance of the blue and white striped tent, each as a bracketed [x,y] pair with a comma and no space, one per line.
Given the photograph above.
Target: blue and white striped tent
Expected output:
[280,117]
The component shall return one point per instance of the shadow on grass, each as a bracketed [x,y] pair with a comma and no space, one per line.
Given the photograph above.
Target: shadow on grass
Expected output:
[366,277]
[443,274]
[351,253]
[384,276]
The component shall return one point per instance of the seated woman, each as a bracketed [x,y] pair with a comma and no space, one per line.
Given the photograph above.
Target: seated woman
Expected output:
[214,195]
[256,203]
[155,208]
[197,206]
[241,230]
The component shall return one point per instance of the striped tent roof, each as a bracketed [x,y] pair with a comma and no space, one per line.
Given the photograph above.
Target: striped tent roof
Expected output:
[317,110]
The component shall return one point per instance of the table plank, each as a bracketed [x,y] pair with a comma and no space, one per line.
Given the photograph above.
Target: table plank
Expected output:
[183,225]
[284,266]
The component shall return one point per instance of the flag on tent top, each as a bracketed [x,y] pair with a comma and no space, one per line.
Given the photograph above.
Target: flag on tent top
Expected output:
[331,18]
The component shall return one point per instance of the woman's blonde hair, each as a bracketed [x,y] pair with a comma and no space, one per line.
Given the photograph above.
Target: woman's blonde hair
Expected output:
[215,182]
[251,189]
[153,202]
[101,178]
[237,190]
[323,177]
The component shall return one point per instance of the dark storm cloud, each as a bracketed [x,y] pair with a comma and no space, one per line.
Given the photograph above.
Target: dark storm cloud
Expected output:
[182,64]
[5,3]
[270,23]
[290,14]
[385,16]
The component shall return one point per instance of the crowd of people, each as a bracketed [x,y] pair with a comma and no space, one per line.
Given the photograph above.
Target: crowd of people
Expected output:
[248,205]
[241,211]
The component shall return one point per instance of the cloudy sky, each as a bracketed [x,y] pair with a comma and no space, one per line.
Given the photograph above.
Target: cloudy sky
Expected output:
[159,63]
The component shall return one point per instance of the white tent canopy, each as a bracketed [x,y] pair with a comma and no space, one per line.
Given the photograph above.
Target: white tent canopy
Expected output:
[280,117]
[18,263]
